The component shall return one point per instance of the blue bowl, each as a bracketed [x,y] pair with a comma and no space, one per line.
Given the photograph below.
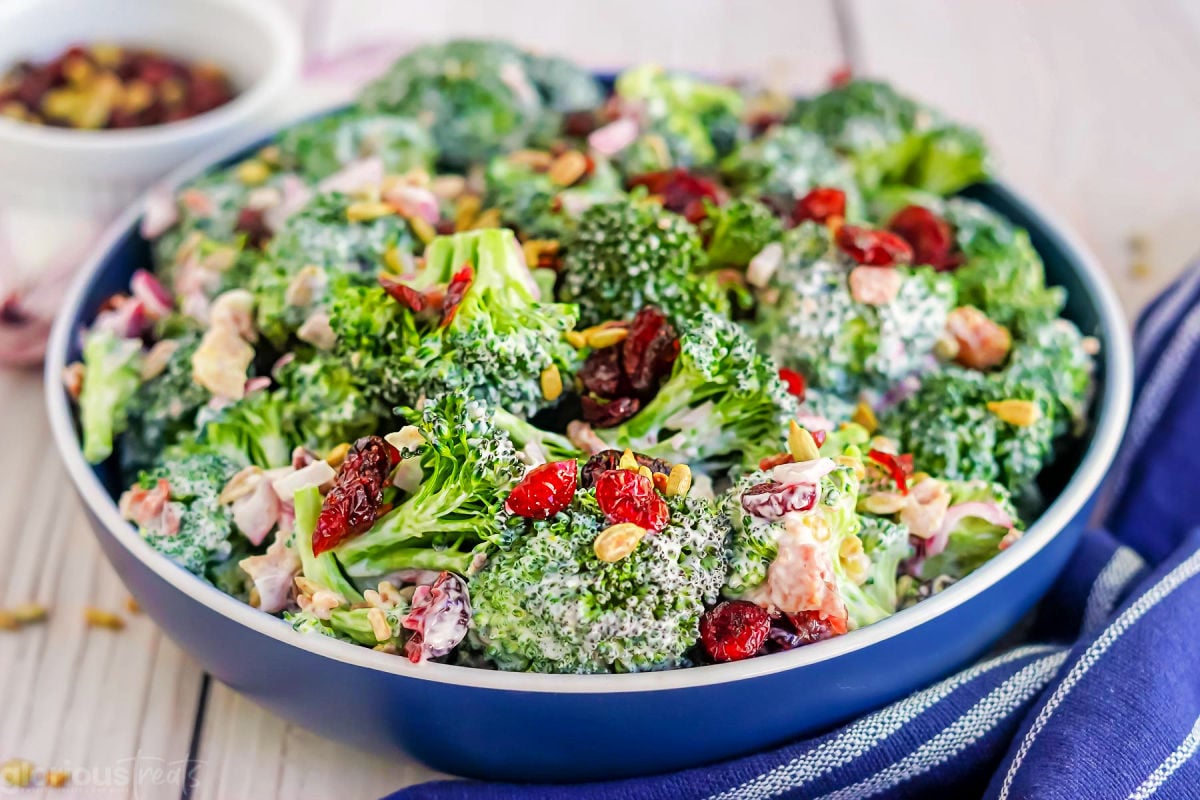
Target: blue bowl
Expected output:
[531,727]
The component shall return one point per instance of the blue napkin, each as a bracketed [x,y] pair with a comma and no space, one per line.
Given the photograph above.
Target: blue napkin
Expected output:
[1107,706]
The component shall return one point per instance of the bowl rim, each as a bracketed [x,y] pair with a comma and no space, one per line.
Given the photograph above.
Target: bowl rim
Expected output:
[1085,481]
[281,35]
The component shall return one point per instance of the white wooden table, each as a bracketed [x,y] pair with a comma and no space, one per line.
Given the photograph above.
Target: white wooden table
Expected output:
[1093,107]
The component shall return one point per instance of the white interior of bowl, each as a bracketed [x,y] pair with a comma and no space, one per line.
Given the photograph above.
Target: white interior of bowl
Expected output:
[251,40]
[1109,430]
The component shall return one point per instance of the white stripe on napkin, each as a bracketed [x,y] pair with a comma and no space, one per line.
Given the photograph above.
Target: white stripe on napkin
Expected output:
[857,739]
[1187,748]
[969,728]
[1123,567]
[1128,618]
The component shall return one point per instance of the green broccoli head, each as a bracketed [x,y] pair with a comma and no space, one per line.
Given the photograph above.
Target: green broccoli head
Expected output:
[320,147]
[196,476]
[809,319]
[253,430]
[724,401]
[324,405]
[163,409]
[787,163]
[828,531]
[112,375]
[467,466]
[318,247]
[697,122]
[951,432]
[496,346]
[629,254]
[563,85]
[547,603]
[886,545]
[1055,357]
[737,231]
[1002,275]
[976,536]
[537,207]
[476,98]
[891,139]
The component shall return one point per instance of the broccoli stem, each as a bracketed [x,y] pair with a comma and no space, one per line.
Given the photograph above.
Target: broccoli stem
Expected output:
[412,558]
[556,446]
[324,569]
[387,546]
[111,378]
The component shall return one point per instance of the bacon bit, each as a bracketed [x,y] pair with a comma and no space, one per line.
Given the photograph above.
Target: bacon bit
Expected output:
[455,292]
[72,377]
[926,508]
[982,344]
[581,434]
[151,508]
[899,467]
[796,385]
[220,362]
[841,76]
[875,286]
[197,203]
[307,285]
[156,359]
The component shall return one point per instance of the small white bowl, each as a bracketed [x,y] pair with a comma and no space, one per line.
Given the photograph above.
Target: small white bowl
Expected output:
[96,173]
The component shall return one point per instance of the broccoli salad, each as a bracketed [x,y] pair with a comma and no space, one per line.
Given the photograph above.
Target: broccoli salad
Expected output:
[504,368]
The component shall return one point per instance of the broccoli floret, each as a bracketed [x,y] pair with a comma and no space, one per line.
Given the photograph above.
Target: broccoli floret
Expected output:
[563,85]
[737,231]
[951,433]
[537,446]
[696,122]
[886,545]
[252,431]
[831,524]
[973,540]
[320,147]
[475,97]
[808,318]
[196,476]
[546,603]
[723,402]
[163,409]
[537,207]
[628,254]
[112,374]
[335,249]
[1002,275]
[467,467]
[496,346]
[1055,357]
[787,163]
[891,138]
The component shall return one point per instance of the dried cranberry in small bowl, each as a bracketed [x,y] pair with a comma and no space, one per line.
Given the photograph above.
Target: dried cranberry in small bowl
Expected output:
[734,629]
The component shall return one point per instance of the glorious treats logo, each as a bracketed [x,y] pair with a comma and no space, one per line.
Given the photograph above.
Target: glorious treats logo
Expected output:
[141,776]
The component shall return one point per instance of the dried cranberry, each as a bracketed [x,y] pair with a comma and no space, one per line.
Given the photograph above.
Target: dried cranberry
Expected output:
[819,205]
[819,436]
[841,76]
[455,292]
[812,627]
[603,375]
[251,222]
[681,191]
[796,385]
[353,504]
[626,496]
[649,350]
[873,248]
[608,413]
[544,491]
[930,236]
[734,629]
[899,467]
[771,500]
[580,123]
[402,293]
[610,459]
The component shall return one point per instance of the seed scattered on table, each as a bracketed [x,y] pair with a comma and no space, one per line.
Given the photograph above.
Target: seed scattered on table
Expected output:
[17,772]
[29,613]
[57,778]
[99,618]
